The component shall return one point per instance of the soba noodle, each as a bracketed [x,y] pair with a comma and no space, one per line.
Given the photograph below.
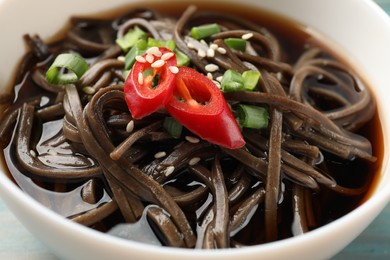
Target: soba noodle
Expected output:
[77,149]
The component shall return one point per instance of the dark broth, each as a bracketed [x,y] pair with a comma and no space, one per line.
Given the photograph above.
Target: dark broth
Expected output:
[293,38]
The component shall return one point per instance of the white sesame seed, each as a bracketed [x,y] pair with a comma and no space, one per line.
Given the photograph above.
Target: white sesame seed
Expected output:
[130,126]
[190,45]
[140,78]
[211,67]
[149,58]
[33,153]
[140,59]
[247,36]
[167,56]
[194,161]
[201,53]
[121,58]
[219,79]
[192,139]
[203,42]
[213,46]
[210,52]
[158,64]
[52,152]
[169,170]
[217,83]
[221,50]
[210,76]
[160,155]
[154,51]
[89,90]
[173,69]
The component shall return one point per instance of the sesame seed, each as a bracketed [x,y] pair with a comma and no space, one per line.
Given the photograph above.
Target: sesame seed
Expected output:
[169,170]
[167,56]
[89,90]
[33,153]
[190,45]
[219,79]
[210,76]
[217,83]
[211,67]
[193,161]
[213,46]
[201,53]
[210,52]
[158,64]
[247,36]
[203,42]
[121,58]
[149,58]
[192,139]
[140,59]
[52,152]
[154,51]
[221,50]
[173,69]
[140,78]
[130,126]
[160,155]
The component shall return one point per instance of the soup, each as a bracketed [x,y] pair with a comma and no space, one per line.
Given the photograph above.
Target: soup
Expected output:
[198,128]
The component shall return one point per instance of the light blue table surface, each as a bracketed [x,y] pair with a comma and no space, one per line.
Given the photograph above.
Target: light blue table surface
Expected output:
[18,243]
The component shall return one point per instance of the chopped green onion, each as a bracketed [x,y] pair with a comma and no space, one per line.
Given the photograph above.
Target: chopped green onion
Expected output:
[182,59]
[138,49]
[203,31]
[131,38]
[238,44]
[173,127]
[232,81]
[125,74]
[74,63]
[170,44]
[252,116]
[251,78]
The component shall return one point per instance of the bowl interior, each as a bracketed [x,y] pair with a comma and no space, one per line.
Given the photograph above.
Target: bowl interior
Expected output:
[370,57]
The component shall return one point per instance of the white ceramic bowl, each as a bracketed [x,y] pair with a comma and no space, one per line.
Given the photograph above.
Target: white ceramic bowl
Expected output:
[359,29]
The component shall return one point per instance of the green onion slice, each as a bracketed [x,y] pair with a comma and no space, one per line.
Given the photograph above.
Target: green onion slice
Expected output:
[232,81]
[252,116]
[131,38]
[182,59]
[250,78]
[173,127]
[203,31]
[238,44]
[75,65]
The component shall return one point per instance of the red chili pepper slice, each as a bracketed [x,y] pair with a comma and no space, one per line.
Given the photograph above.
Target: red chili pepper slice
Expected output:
[149,86]
[199,105]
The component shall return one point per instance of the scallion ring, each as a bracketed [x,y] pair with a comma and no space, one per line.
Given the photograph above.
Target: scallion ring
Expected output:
[75,65]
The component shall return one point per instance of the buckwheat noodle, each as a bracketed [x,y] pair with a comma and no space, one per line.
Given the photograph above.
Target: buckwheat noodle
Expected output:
[59,137]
